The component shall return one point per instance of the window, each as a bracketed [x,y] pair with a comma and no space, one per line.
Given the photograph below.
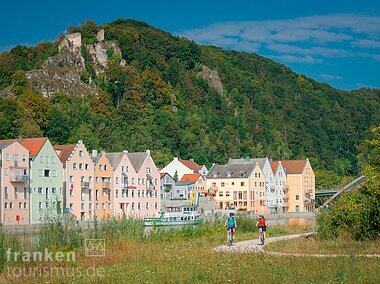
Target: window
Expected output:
[133,206]
[71,192]
[82,206]
[53,159]
[109,206]
[25,193]
[97,206]
[7,157]
[117,193]
[71,206]
[40,173]
[97,179]
[105,167]
[297,197]
[122,168]
[242,183]
[54,190]
[90,179]
[133,180]
[87,166]
[6,205]
[155,205]
[101,167]
[80,166]
[10,205]
[103,206]
[143,180]
[23,158]
[75,166]
[54,173]
[16,193]
[6,192]
[221,193]
[147,205]
[126,168]
[222,184]
[80,153]
[47,173]
[53,205]
[20,205]
[138,206]
[71,179]
[117,180]
[40,205]
[227,194]
[138,181]
[90,206]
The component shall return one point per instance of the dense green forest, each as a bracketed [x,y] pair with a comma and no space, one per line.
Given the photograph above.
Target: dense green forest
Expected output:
[158,101]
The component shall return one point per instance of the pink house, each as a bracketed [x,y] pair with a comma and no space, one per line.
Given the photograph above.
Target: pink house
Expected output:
[147,185]
[14,183]
[136,184]
[78,180]
[123,178]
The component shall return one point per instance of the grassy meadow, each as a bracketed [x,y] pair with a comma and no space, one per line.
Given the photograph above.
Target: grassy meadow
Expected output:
[185,256]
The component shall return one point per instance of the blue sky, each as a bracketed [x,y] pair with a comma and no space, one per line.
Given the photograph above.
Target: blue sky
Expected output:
[337,42]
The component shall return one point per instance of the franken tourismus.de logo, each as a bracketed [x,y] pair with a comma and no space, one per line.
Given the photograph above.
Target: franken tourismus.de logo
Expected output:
[95,247]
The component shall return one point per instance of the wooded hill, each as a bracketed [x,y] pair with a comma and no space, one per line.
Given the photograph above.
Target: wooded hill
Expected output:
[166,96]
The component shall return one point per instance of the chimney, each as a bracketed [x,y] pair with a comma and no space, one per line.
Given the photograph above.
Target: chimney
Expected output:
[175,159]
[94,154]
[20,138]
[192,160]
[148,152]
[125,151]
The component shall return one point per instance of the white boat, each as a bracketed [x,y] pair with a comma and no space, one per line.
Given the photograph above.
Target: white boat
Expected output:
[182,215]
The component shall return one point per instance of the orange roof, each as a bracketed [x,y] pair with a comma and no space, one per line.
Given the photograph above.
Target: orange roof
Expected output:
[274,166]
[64,151]
[293,166]
[33,145]
[190,177]
[191,165]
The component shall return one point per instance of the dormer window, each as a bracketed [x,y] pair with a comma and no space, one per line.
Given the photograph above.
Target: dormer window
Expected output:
[215,175]
[80,153]
[229,174]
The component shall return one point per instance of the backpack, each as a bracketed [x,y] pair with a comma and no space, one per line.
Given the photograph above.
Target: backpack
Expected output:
[231,222]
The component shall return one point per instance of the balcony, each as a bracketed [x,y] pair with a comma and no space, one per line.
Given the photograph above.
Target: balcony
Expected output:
[106,185]
[18,178]
[85,184]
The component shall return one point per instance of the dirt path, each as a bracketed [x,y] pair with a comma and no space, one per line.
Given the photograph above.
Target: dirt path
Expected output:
[253,246]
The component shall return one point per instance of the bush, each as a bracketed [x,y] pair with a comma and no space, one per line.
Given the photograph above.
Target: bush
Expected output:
[354,214]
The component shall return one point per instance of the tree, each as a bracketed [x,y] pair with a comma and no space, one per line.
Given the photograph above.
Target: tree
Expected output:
[175,177]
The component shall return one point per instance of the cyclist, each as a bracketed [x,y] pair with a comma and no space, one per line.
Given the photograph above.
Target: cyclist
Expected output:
[231,227]
[262,224]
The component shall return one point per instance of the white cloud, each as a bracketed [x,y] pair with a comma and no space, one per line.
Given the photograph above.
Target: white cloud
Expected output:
[366,43]
[300,59]
[331,77]
[306,39]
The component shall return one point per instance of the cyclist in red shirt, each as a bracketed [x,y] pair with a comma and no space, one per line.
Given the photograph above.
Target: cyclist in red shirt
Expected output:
[262,224]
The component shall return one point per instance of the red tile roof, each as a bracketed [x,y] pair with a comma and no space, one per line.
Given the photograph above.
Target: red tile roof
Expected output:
[34,145]
[190,177]
[293,166]
[191,165]
[64,151]
[274,166]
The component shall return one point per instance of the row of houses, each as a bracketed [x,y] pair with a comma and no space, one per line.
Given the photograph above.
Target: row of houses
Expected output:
[253,185]
[39,180]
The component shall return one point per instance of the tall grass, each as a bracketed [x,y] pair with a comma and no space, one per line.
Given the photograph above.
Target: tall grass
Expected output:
[7,241]
[60,233]
[130,229]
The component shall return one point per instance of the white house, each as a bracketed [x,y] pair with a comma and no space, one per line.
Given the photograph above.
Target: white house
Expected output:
[182,167]
[279,189]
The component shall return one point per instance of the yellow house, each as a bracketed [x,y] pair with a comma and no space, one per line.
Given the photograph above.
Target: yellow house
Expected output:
[238,186]
[301,182]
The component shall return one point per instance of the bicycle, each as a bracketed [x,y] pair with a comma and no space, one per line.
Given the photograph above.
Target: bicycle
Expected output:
[261,238]
[230,236]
